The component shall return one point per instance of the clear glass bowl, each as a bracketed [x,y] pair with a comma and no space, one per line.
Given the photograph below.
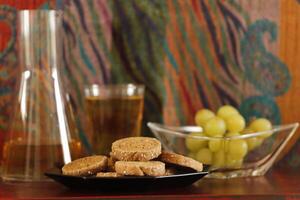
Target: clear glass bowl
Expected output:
[255,163]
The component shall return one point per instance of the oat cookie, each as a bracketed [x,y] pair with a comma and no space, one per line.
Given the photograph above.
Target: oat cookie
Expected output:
[176,159]
[136,149]
[135,168]
[85,166]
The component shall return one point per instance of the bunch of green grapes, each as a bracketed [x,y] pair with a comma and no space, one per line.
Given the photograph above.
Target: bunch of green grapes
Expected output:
[218,152]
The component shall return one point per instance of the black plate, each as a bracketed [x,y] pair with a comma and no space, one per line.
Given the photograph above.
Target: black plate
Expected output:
[110,183]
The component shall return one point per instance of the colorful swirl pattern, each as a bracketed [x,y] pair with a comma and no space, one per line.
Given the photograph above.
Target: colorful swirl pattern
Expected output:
[189,54]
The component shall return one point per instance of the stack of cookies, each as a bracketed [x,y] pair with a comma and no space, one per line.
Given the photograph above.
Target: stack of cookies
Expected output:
[133,156]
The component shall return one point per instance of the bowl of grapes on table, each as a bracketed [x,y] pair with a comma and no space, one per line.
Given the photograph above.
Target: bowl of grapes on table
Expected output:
[225,143]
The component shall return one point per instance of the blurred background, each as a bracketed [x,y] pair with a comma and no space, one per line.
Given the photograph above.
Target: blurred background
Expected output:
[189,54]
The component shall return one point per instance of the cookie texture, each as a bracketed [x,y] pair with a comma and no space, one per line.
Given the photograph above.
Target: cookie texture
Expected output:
[135,168]
[176,159]
[85,166]
[136,149]
[107,174]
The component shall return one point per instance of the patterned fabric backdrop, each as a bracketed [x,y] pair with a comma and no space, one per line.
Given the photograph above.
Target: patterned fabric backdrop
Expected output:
[189,54]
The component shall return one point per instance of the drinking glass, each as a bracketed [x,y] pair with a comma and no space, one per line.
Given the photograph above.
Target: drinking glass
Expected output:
[114,112]
[39,137]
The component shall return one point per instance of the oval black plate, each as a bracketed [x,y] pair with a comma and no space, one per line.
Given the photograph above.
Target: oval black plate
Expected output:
[110,183]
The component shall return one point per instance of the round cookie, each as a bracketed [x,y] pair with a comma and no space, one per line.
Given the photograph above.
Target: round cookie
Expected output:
[85,166]
[136,149]
[176,159]
[135,168]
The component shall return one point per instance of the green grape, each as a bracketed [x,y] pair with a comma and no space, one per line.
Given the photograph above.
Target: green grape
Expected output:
[202,116]
[218,159]
[254,142]
[233,163]
[225,111]
[226,142]
[215,127]
[215,145]
[204,156]
[235,123]
[194,144]
[261,124]
[230,134]
[237,149]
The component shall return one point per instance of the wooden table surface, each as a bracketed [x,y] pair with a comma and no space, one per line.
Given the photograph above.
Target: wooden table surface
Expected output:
[278,184]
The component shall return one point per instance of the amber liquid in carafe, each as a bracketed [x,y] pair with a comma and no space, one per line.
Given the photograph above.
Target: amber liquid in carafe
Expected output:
[35,160]
[113,118]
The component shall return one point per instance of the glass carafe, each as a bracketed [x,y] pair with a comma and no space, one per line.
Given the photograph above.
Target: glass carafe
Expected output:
[39,136]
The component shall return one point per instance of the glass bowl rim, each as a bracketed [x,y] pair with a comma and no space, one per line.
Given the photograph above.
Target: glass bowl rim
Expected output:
[170,131]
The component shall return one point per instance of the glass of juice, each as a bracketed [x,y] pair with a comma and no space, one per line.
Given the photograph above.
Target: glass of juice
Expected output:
[114,112]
